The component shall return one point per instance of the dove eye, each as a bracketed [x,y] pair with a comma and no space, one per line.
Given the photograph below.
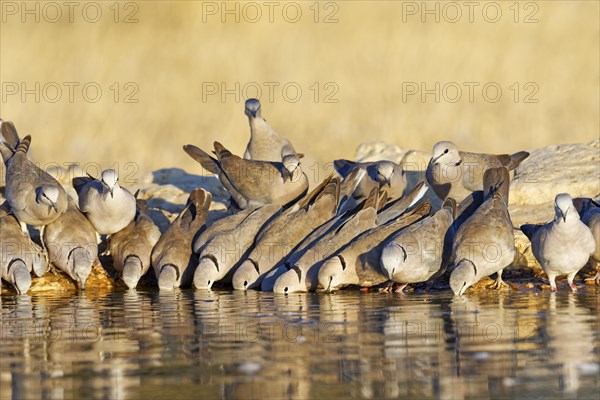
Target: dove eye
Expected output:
[446,151]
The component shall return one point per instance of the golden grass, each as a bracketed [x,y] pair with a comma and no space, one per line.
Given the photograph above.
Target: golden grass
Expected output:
[368,54]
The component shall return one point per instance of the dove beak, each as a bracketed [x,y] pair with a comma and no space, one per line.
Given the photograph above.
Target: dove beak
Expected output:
[112,192]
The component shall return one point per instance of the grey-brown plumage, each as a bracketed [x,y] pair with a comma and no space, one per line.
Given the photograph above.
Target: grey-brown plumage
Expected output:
[34,196]
[254,183]
[301,269]
[420,251]
[71,244]
[484,243]
[358,262]
[454,173]
[590,215]
[381,174]
[222,253]
[219,226]
[131,247]
[265,144]
[282,235]
[385,212]
[18,254]
[562,246]
[107,205]
[172,257]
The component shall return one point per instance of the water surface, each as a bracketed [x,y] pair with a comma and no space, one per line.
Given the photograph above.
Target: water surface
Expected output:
[256,345]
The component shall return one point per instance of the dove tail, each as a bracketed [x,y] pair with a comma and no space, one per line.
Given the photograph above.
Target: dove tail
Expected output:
[517,158]
[23,145]
[496,180]
[207,162]
[9,135]
[450,205]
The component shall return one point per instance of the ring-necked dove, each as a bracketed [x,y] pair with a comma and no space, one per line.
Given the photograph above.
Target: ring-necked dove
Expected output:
[107,205]
[172,257]
[590,215]
[420,251]
[380,174]
[454,173]
[562,246]
[18,254]
[288,230]
[331,236]
[265,144]
[358,262]
[485,243]
[221,254]
[302,269]
[71,244]
[131,247]
[34,196]
[254,183]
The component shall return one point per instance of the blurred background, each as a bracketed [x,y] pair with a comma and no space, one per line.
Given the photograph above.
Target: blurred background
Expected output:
[126,84]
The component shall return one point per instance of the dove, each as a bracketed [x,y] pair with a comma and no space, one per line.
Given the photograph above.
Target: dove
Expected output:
[301,270]
[325,238]
[71,244]
[381,174]
[484,243]
[18,254]
[265,144]
[131,247]
[34,196]
[107,205]
[454,173]
[282,235]
[358,262]
[172,257]
[251,183]
[564,245]
[420,251]
[590,215]
[220,255]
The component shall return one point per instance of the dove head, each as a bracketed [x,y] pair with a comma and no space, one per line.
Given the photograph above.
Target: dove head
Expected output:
[110,179]
[291,162]
[564,208]
[81,264]
[167,279]
[289,282]
[332,273]
[48,195]
[393,257]
[385,169]
[40,264]
[21,278]
[252,108]
[206,273]
[246,275]
[132,271]
[445,153]
[462,277]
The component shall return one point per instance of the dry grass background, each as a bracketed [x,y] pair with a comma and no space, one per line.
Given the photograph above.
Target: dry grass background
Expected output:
[368,54]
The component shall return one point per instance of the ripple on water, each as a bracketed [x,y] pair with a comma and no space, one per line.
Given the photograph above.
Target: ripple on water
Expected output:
[260,345]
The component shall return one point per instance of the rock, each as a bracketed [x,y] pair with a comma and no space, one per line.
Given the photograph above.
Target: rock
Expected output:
[569,168]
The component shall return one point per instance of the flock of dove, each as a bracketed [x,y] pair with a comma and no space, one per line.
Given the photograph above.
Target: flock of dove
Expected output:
[359,227]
